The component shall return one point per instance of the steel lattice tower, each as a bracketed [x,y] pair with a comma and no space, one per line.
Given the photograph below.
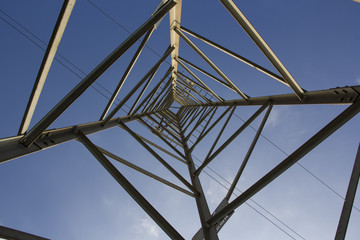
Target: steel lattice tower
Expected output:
[181,110]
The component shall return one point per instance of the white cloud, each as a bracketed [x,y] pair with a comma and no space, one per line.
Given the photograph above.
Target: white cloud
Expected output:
[357,80]
[273,119]
[215,192]
[147,228]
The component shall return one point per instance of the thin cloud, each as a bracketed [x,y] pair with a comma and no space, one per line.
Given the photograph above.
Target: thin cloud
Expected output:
[358,80]
[147,228]
[215,192]
[273,119]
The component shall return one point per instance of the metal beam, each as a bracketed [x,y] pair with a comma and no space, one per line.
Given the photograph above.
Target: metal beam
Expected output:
[134,89]
[128,187]
[126,73]
[325,132]
[235,55]
[50,52]
[202,206]
[175,20]
[260,42]
[343,95]
[162,161]
[248,154]
[54,113]
[219,135]
[206,73]
[212,65]
[9,233]
[11,148]
[162,149]
[191,87]
[146,85]
[199,80]
[163,139]
[150,96]
[231,138]
[143,171]
[349,199]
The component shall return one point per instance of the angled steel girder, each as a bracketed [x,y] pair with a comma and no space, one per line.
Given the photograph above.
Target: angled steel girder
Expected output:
[206,59]
[202,206]
[329,129]
[54,113]
[260,42]
[235,55]
[126,73]
[340,95]
[349,199]
[129,188]
[11,148]
[9,233]
[54,42]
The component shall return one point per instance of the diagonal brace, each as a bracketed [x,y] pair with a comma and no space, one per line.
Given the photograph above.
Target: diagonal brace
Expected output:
[162,161]
[129,188]
[314,141]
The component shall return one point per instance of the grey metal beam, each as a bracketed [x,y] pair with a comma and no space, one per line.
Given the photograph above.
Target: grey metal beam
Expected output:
[235,55]
[194,82]
[314,141]
[343,95]
[126,73]
[202,206]
[191,87]
[167,130]
[146,85]
[206,130]
[206,73]
[11,148]
[248,154]
[133,90]
[208,159]
[50,52]
[128,187]
[231,138]
[9,233]
[220,133]
[349,199]
[163,139]
[193,119]
[174,129]
[154,102]
[162,161]
[175,20]
[199,80]
[150,96]
[54,113]
[184,88]
[143,171]
[162,149]
[212,65]
[198,123]
[260,42]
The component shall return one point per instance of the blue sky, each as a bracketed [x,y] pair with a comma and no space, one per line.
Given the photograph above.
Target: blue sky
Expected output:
[64,193]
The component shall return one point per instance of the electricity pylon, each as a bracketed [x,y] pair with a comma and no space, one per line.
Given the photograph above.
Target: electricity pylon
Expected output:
[179,107]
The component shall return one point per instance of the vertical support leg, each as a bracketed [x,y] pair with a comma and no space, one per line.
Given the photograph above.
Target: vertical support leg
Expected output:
[203,209]
[349,199]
